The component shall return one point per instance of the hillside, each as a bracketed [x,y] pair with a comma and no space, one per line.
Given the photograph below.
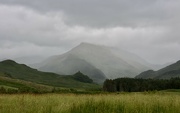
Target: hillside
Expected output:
[70,64]
[98,62]
[13,70]
[168,72]
[10,85]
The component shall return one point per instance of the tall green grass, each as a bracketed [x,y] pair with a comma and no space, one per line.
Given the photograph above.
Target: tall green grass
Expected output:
[102,103]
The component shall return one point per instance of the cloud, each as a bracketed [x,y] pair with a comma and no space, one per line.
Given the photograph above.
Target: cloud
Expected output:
[11,50]
[108,13]
[26,25]
[26,30]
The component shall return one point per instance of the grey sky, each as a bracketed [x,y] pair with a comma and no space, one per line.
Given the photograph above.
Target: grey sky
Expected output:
[148,28]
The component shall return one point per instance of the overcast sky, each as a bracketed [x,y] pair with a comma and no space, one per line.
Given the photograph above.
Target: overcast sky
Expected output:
[148,28]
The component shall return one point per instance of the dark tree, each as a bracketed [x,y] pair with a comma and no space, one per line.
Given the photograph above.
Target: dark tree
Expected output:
[137,85]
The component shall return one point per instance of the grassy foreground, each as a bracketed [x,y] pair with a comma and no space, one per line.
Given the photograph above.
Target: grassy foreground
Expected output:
[161,102]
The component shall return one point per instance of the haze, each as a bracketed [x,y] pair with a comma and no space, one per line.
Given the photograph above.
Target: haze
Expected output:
[148,28]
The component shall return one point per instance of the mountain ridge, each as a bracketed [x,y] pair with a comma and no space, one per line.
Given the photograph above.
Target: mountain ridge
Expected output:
[167,72]
[105,59]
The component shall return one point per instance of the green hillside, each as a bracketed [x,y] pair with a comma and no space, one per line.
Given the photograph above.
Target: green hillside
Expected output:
[9,85]
[13,70]
[171,71]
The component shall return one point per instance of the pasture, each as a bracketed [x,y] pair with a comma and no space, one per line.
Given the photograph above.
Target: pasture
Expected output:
[146,102]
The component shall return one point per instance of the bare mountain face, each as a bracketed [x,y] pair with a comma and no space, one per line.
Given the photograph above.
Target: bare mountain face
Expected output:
[98,62]
[70,64]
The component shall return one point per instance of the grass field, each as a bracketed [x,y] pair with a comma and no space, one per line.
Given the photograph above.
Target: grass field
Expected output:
[159,102]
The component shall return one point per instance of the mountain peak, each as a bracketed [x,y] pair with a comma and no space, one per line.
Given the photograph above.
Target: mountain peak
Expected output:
[178,62]
[8,62]
[79,72]
[168,72]
[96,61]
[85,44]
[85,47]
[82,78]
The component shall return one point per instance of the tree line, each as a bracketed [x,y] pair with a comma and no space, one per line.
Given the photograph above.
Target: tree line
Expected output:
[140,85]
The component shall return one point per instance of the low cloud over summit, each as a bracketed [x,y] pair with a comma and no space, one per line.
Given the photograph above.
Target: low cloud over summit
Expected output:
[147,28]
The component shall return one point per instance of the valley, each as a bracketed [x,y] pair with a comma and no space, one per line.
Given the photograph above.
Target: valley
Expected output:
[89,56]
[85,68]
[79,81]
[20,76]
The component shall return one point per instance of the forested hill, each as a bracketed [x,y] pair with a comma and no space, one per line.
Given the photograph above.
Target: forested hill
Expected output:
[13,70]
[168,72]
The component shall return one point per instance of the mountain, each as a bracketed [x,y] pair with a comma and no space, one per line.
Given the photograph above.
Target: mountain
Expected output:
[98,62]
[70,64]
[13,70]
[168,72]
[160,66]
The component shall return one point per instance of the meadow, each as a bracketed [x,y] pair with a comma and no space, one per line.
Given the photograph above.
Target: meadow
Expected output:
[146,102]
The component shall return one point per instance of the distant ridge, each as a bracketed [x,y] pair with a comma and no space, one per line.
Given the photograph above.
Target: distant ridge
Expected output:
[96,61]
[168,72]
